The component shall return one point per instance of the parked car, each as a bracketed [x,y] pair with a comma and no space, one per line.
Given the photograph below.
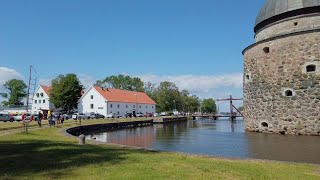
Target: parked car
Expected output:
[17,117]
[149,114]
[156,115]
[139,115]
[77,116]
[6,117]
[163,114]
[112,115]
[96,116]
[128,115]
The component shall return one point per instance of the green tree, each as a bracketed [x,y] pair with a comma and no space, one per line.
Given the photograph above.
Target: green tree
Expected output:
[124,82]
[193,104]
[168,97]
[209,106]
[65,92]
[16,92]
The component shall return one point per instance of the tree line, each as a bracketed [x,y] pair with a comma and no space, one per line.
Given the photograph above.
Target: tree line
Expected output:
[66,91]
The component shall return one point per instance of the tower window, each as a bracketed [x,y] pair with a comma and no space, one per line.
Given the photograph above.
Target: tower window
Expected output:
[247,77]
[264,124]
[295,23]
[311,68]
[91,106]
[266,50]
[289,93]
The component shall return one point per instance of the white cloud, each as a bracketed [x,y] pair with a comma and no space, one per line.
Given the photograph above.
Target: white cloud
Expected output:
[5,75]
[200,84]
[86,80]
[210,86]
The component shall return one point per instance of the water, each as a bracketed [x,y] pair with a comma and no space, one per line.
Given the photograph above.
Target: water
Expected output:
[216,138]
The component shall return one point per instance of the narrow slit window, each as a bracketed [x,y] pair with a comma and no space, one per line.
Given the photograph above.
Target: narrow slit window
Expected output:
[311,68]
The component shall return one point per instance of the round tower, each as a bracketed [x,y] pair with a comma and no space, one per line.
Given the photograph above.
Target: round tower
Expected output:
[282,69]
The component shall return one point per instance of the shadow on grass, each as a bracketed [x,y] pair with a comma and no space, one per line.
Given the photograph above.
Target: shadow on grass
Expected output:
[52,158]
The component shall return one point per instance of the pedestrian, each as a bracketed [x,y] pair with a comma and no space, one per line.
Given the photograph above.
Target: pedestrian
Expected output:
[62,119]
[39,118]
[59,119]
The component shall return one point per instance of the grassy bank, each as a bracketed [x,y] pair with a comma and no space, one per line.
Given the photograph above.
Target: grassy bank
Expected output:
[48,154]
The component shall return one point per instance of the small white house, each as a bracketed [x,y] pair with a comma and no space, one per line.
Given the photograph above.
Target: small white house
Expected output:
[107,100]
[41,100]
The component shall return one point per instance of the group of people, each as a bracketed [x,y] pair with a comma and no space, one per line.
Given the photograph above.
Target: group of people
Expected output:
[53,119]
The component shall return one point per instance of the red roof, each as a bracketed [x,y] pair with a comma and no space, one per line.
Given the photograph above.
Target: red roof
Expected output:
[117,95]
[46,89]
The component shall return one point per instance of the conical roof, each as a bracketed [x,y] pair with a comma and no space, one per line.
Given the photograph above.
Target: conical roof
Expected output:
[275,10]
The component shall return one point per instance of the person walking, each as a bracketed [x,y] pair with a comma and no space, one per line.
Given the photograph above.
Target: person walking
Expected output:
[39,118]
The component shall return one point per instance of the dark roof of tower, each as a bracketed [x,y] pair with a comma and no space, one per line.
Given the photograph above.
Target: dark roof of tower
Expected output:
[275,10]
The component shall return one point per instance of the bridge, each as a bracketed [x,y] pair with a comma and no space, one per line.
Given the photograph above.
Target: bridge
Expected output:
[232,115]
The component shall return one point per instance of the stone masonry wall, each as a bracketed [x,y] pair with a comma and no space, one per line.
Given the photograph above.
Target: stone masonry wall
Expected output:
[272,68]
[289,26]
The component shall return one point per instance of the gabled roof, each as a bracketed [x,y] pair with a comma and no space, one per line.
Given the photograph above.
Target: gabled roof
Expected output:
[46,89]
[117,95]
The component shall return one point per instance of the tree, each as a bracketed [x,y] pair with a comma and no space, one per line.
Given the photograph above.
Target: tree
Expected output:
[168,97]
[16,92]
[65,92]
[124,82]
[209,106]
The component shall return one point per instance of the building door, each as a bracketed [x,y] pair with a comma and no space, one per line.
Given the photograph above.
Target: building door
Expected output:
[134,113]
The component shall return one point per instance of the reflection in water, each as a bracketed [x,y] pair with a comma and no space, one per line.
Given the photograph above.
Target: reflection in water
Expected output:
[217,138]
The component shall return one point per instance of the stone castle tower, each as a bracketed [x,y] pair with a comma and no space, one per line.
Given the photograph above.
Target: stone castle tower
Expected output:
[282,69]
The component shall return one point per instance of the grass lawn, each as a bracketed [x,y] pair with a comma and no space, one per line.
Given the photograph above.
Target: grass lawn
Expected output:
[48,154]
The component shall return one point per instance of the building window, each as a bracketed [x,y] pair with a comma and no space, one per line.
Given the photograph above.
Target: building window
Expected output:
[118,112]
[152,107]
[264,124]
[37,94]
[91,96]
[35,101]
[118,106]
[311,68]
[266,50]
[39,101]
[134,106]
[41,94]
[91,106]
[146,107]
[126,106]
[288,93]
[140,106]
[44,101]
[248,77]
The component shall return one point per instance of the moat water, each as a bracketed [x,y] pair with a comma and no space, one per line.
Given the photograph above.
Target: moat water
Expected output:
[216,138]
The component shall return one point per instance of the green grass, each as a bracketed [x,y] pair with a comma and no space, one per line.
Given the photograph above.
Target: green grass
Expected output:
[49,154]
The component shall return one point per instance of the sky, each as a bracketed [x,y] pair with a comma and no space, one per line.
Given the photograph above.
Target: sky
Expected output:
[196,44]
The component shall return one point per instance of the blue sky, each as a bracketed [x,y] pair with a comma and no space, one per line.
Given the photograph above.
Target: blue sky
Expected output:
[186,41]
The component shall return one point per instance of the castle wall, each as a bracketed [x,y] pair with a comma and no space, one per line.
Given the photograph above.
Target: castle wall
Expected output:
[289,26]
[272,70]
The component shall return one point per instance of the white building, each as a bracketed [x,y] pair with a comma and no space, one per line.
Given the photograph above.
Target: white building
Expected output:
[106,101]
[41,100]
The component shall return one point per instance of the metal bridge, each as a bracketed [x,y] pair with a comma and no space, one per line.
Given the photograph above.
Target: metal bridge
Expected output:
[232,114]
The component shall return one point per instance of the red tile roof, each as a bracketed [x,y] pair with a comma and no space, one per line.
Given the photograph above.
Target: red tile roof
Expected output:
[46,89]
[117,95]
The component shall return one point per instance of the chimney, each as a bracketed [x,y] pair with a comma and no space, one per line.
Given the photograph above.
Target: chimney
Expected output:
[107,89]
[102,88]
